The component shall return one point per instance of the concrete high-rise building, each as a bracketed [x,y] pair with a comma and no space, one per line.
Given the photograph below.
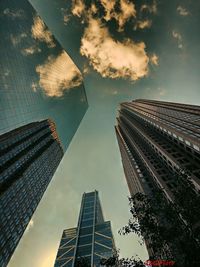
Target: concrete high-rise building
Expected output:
[91,240]
[29,156]
[157,140]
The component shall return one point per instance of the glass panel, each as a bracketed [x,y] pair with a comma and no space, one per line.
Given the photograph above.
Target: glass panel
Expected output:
[83,240]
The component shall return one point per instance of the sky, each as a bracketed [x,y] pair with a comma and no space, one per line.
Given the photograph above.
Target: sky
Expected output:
[124,50]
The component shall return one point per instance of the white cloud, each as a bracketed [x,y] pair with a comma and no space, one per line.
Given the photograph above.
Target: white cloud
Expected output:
[78,7]
[66,16]
[41,33]
[16,39]
[112,58]
[176,35]
[152,8]
[31,50]
[154,59]
[14,14]
[86,69]
[58,74]
[182,11]
[34,86]
[143,24]
[6,73]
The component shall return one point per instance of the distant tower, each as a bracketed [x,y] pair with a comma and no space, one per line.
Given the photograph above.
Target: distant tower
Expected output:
[29,156]
[91,240]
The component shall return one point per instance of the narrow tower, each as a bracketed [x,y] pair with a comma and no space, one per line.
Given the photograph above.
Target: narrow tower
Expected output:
[91,240]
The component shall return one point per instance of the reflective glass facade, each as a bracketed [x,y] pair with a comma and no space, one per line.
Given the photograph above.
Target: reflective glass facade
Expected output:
[29,156]
[91,240]
[38,80]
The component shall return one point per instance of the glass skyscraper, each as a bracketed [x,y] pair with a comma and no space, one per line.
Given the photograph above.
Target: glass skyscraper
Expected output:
[38,79]
[91,240]
[29,156]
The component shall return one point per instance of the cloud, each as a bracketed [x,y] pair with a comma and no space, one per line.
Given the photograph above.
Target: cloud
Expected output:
[16,39]
[93,9]
[6,73]
[108,8]
[154,59]
[66,16]
[16,14]
[112,58]
[143,24]
[5,78]
[127,10]
[178,37]
[34,86]
[58,74]
[182,11]
[31,50]
[41,33]
[78,7]
[86,69]
[150,8]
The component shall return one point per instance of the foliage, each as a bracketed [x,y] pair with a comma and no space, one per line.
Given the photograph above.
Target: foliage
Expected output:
[116,261]
[164,224]
[187,201]
[82,262]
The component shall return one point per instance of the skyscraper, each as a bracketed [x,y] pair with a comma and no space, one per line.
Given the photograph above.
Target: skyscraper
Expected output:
[91,240]
[159,141]
[38,79]
[29,156]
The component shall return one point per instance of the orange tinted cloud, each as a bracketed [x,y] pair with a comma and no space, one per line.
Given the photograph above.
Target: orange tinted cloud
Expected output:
[143,24]
[58,74]
[154,59]
[176,35]
[78,7]
[112,58]
[182,11]
[41,33]
[127,10]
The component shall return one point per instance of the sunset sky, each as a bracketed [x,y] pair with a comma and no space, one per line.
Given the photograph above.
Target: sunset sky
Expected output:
[124,50]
